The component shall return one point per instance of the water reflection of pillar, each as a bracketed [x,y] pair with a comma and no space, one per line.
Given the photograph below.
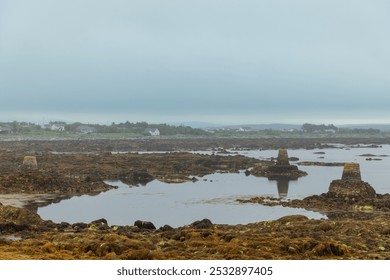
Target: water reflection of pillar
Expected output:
[282,187]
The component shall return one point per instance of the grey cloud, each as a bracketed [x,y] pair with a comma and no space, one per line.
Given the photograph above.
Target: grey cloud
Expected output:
[189,57]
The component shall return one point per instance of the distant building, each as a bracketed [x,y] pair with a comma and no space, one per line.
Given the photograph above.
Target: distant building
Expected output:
[86,129]
[153,131]
[5,129]
[243,129]
[55,126]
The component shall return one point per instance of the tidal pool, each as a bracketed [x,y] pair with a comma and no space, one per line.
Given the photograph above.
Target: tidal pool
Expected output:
[175,204]
[214,196]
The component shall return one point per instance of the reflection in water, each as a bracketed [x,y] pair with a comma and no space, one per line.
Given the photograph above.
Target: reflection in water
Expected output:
[282,187]
[282,184]
[282,172]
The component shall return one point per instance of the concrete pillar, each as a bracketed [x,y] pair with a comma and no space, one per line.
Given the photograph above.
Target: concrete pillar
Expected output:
[282,157]
[30,162]
[351,171]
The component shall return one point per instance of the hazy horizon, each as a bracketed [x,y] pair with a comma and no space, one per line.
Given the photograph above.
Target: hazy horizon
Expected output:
[96,119]
[224,62]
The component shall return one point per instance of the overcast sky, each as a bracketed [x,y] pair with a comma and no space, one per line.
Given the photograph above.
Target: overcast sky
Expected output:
[219,61]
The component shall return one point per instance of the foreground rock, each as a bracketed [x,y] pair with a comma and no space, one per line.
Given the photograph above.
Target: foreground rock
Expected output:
[291,237]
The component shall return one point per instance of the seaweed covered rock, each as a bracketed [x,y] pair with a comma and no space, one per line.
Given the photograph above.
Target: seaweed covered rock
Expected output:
[10,214]
[41,181]
[13,219]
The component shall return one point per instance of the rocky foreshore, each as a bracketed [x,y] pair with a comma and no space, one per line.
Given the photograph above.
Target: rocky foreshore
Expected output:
[25,236]
[358,226]
[67,175]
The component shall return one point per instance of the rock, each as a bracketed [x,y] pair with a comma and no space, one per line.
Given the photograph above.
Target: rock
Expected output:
[42,181]
[292,218]
[351,186]
[176,179]
[293,158]
[316,163]
[19,216]
[79,226]
[203,224]
[144,225]
[166,228]
[351,189]
[100,224]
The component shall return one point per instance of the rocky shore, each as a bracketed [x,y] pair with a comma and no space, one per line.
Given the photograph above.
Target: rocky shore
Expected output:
[161,144]
[358,226]
[26,236]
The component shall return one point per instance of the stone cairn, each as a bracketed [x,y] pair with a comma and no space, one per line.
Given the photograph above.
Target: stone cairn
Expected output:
[282,169]
[351,185]
[30,163]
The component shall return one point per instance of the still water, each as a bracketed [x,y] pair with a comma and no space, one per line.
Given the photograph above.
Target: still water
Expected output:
[214,196]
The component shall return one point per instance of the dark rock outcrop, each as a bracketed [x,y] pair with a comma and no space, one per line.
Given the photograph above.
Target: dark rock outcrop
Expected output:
[144,225]
[100,224]
[203,224]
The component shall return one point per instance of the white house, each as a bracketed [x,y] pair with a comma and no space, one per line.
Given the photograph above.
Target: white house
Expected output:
[153,131]
[86,129]
[55,126]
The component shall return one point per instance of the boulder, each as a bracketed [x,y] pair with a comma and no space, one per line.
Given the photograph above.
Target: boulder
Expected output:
[100,224]
[144,225]
[203,224]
